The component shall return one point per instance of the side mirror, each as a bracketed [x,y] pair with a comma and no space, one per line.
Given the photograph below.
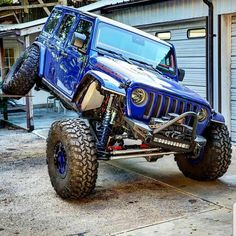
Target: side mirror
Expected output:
[181,74]
[78,40]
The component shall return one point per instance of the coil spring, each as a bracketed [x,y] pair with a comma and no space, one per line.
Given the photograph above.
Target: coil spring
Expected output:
[105,129]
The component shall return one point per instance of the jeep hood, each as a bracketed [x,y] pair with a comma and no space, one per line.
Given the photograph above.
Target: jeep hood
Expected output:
[139,76]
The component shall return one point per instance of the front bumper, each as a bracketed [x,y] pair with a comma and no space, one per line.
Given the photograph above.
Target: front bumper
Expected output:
[170,133]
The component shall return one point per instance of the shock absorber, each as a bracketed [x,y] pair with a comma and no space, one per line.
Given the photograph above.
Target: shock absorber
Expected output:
[106,129]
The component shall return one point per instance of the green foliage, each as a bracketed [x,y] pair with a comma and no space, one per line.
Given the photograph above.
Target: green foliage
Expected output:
[6,2]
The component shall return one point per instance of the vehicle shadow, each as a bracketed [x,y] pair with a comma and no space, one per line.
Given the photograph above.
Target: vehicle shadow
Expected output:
[166,173]
[116,183]
[130,179]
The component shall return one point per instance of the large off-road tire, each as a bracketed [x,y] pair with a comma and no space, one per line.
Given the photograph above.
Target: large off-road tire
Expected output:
[23,74]
[72,158]
[213,160]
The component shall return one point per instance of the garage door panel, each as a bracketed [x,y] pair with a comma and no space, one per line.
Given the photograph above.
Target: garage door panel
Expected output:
[197,73]
[177,27]
[192,63]
[195,76]
[233,115]
[233,63]
[233,72]
[178,34]
[233,105]
[233,94]
[193,82]
[190,49]
[189,43]
[233,28]
[233,85]
[233,136]
[233,130]
[234,19]
[233,49]
[191,53]
[233,79]
[234,126]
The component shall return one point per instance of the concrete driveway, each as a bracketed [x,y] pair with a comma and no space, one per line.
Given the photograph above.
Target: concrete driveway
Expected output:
[132,197]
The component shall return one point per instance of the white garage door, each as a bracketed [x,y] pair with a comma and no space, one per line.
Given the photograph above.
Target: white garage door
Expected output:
[191,52]
[233,81]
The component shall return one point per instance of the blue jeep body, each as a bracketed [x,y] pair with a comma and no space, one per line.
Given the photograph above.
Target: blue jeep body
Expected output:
[67,71]
[126,87]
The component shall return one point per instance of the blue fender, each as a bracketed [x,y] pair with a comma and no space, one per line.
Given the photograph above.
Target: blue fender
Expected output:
[217,117]
[107,82]
[42,50]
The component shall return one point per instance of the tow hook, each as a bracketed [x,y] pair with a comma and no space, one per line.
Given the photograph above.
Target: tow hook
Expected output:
[200,143]
[197,150]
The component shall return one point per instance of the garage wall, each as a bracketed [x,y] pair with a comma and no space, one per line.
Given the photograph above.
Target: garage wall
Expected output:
[158,12]
[233,79]
[191,53]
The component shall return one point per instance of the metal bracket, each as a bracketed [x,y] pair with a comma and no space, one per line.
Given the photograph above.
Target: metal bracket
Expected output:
[175,120]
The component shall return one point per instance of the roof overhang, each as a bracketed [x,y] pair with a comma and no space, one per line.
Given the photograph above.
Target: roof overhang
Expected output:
[107,6]
[22,29]
[123,5]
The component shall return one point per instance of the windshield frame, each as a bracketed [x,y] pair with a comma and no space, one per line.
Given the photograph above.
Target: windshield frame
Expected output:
[95,46]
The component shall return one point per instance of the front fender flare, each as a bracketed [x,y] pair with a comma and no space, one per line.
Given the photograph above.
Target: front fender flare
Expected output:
[217,118]
[107,82]
[42,50]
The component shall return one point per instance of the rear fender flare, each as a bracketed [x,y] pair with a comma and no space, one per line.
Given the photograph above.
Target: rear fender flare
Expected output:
[42,50]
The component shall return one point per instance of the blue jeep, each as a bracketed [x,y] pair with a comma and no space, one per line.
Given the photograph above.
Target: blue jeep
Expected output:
[124,84]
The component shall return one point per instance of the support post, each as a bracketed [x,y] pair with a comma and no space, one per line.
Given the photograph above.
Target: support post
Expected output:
[210,59]
[17,20]
[25,3]
[29,99]
[226,45]
[5,114]
[2,66]
[44,8]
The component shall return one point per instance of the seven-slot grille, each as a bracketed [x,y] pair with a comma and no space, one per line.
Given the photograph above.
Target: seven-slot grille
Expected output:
[160,105]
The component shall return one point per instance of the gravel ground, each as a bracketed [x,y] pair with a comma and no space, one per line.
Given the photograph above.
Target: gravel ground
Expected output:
[122,200]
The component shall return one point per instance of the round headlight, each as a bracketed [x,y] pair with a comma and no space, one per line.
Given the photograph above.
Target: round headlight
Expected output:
[138,96]
[202,114]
